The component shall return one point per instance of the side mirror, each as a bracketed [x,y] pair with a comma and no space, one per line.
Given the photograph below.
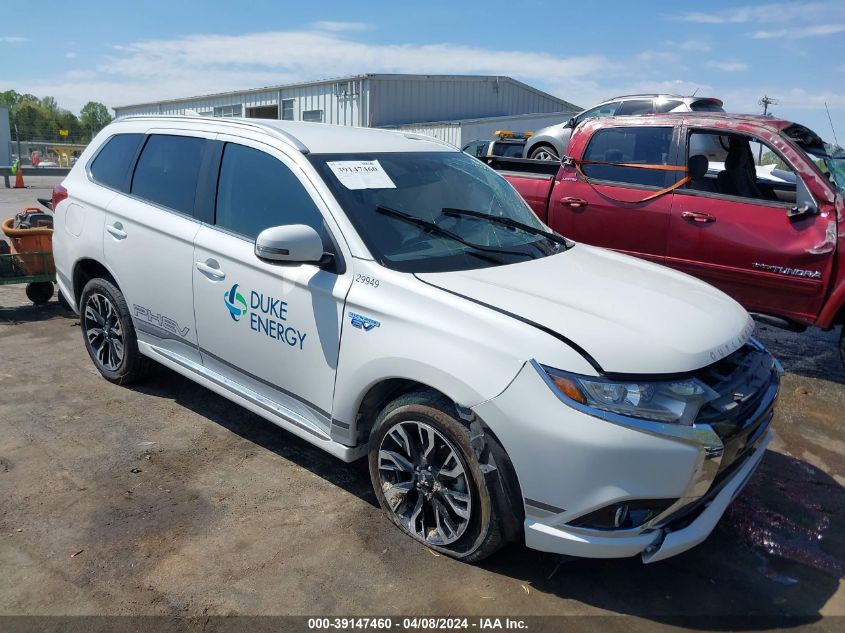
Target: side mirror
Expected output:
[571,122]
[292,244]
[804,203]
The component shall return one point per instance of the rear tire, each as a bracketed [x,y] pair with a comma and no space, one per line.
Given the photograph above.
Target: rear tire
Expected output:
[428,479]
[109,334]
[543,152]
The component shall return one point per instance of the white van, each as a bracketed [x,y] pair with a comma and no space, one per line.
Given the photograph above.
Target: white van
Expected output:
[383,294]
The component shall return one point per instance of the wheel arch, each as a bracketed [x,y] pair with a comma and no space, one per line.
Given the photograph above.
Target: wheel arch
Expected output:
[508,493]
[86,269]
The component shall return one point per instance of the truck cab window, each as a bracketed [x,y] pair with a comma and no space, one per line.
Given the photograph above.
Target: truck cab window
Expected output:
[257,191]
[634,145]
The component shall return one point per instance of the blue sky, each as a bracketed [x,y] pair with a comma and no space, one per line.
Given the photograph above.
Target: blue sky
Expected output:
[583,52]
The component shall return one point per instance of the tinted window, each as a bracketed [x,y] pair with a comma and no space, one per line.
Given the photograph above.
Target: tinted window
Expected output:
[635,106]
[112,164]
[667,105]
[641,145]
[477,148]
[168,170]
[508,150]
[608,109]
[257,191]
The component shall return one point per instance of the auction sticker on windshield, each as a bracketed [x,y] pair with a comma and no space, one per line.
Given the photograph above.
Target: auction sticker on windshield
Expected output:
[361,174]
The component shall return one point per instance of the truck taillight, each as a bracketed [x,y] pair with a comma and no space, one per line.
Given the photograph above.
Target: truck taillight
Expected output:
[59,194]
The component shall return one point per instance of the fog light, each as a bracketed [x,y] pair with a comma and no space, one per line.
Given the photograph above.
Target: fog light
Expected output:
[623,516]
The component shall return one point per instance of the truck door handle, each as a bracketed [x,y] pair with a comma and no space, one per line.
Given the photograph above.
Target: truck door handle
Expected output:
[575,203]
[698,217]
[116,230]
[209,268]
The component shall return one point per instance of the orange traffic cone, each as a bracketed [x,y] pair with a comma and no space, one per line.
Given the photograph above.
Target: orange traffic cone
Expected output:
[19,179]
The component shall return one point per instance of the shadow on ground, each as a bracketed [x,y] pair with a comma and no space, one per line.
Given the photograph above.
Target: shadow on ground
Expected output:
[30,313]
[775,559]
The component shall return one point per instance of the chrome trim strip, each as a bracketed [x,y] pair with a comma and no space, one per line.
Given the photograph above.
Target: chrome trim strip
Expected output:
[244,392]
[267,383]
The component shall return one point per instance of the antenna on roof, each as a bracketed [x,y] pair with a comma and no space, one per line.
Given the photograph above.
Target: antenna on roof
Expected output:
[694,92]
[832,129]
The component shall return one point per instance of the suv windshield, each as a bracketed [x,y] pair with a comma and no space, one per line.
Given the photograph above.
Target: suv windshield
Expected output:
[393,199]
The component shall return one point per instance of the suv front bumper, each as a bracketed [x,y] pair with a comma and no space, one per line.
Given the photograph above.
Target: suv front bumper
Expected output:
[570,464]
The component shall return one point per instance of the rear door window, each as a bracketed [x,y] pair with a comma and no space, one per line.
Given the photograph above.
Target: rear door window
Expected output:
[634,145]
[112,163]
[168,170]
[636,106]
[256,191]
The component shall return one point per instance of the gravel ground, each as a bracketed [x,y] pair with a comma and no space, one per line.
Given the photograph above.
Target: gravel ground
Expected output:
[163,498]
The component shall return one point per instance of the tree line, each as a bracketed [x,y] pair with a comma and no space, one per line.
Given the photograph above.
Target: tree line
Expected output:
[41,119]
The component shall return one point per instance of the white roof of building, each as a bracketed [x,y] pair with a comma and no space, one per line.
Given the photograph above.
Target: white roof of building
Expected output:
[317,138]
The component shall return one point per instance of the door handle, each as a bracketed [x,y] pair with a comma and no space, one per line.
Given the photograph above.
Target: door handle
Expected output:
[698,217]
[210,271]
[116,230]
[575,203]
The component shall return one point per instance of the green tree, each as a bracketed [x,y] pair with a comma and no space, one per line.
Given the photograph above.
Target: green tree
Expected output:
[50,104]
[93,117]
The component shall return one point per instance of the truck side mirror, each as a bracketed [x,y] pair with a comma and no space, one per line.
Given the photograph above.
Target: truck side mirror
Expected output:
[804,203]
[291,244]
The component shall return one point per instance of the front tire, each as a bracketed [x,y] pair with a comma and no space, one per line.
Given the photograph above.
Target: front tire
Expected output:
[429,481]
[109,333]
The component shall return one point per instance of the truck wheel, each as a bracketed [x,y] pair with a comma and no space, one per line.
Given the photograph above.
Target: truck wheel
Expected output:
[39,292]
[428,479]
[109,334]
[544,152]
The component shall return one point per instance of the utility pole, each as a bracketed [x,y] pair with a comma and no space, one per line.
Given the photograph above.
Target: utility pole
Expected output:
[766,101]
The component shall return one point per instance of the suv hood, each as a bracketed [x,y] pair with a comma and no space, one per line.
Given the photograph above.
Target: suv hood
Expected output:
[630,316]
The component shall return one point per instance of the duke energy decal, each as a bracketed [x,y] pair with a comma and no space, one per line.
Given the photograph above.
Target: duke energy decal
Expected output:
[267,316]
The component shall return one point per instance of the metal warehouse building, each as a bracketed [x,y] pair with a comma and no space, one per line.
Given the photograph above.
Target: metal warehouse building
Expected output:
[378,100]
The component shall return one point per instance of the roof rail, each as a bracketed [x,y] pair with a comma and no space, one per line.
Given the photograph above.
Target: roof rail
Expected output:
[287,137]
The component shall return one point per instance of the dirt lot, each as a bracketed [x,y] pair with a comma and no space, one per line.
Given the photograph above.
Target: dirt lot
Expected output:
[164,498]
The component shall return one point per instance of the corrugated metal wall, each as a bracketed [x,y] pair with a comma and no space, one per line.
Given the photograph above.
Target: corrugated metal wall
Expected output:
[339,106]
[459,133]
[414,99]
[378,100]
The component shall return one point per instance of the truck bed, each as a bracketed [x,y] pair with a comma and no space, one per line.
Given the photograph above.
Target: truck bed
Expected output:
[533,179]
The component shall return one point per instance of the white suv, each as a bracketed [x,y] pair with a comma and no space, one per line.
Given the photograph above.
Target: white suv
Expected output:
[383,294]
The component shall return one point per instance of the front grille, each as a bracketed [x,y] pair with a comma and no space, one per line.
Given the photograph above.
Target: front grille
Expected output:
[745,381]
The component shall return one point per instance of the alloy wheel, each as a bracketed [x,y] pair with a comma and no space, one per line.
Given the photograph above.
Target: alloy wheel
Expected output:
[425,482]
[103,331]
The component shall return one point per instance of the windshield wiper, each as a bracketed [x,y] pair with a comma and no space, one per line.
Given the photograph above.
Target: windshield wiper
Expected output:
[514,224]
[431,227]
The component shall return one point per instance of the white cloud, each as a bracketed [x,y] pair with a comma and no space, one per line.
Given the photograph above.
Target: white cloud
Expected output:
[798,33]
[12,39]
[336,27]
[695,45]
[778,12]
[201,64]
[729,67]
[70,55]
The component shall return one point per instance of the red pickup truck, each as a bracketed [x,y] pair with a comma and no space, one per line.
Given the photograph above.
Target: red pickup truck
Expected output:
[751,204]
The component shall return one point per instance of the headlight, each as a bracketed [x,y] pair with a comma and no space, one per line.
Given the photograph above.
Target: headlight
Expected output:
[672,401]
